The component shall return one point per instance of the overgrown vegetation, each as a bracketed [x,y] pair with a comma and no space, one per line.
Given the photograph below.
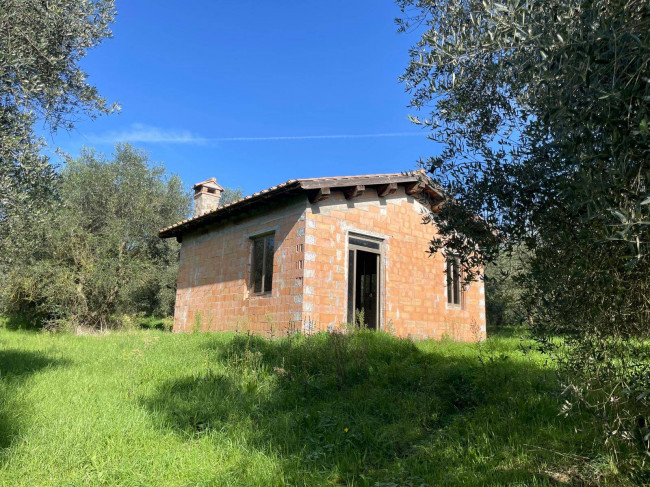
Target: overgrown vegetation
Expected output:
[41,46]
[542,109]
[505,303]
[98,256]
[364,408]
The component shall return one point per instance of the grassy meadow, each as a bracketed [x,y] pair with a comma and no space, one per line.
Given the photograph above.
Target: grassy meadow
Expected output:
[150,408]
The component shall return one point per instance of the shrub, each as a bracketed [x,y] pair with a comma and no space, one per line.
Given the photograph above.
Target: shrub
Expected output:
[99,256]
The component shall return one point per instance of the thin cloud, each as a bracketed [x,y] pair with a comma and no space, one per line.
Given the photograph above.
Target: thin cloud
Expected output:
[155,135]
[314,137]
[145,133]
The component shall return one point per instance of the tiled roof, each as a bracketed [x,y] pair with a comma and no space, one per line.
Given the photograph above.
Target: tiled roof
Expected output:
[295,186]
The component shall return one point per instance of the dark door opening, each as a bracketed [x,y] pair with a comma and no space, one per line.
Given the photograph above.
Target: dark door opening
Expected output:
[363,287]
[367,287]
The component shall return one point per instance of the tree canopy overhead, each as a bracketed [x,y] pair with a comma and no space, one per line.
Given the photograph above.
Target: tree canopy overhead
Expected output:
[543,109]
[42,44]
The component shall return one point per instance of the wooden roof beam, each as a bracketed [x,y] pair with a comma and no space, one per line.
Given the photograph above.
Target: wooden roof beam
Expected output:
[415,188]
[437,207]
[354,191]
[319,195]
[386,189]
[346,182]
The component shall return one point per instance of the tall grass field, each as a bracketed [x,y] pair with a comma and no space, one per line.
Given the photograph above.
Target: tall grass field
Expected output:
[151,408]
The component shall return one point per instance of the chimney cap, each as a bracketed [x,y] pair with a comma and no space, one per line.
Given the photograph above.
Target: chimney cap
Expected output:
[208,183]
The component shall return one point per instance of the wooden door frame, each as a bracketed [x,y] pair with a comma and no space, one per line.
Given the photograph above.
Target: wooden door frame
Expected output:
[380,273]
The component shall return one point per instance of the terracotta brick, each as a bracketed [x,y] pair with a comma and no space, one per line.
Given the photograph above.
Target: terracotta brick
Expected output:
[310,271]
[413,298]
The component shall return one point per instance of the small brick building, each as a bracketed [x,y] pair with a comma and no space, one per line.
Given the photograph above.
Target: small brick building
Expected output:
[311,254]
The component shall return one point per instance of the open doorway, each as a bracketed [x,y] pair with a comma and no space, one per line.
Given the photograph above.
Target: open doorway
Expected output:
[364,281]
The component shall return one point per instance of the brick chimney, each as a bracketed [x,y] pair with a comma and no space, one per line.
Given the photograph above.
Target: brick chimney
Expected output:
[206,196]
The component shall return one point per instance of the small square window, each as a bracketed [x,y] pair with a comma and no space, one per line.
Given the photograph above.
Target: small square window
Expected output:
[453,281]
[262,264]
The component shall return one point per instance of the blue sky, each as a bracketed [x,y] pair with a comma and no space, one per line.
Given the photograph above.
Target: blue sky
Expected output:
[255,93]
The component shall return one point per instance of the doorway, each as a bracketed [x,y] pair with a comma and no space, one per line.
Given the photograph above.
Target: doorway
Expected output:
[364,281]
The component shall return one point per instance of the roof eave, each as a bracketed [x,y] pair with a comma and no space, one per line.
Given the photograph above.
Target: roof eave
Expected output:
[417,182]
[190,224]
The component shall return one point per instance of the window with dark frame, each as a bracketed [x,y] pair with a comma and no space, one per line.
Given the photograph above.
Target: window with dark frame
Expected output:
[262,263]
[453,281]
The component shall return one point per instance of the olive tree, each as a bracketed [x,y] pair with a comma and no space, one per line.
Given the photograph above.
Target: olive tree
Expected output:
[41,46]
[542,108]
[99,256]
[230,195]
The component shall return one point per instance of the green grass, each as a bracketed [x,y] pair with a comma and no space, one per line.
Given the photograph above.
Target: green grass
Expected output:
[148,408]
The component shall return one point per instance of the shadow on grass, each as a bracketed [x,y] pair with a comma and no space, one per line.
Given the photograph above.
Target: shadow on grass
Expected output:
[15,367]
[368,409]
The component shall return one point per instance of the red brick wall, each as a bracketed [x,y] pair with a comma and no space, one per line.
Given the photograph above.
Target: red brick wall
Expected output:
[414,291]
[310,272]
[214,275]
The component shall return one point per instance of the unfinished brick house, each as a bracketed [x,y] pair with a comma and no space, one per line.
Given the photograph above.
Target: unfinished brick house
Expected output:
[311,254]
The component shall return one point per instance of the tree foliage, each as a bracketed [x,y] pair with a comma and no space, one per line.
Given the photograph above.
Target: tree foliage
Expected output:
[504,295]
[41,46]
[230,195]
[543,109]
[543,112]
[99,255]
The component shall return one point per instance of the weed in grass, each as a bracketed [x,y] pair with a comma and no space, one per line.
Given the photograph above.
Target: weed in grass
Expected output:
[197,326]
